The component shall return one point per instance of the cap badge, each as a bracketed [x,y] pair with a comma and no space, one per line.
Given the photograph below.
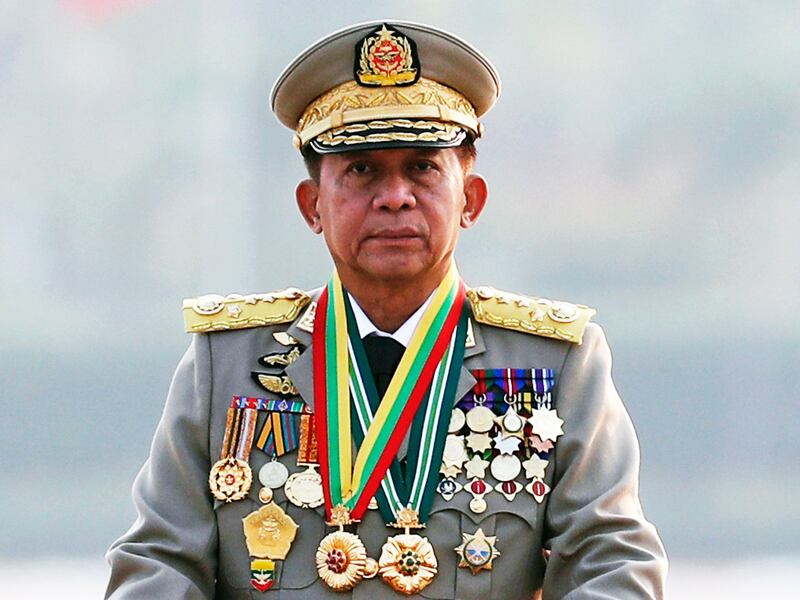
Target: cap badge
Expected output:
[386,57]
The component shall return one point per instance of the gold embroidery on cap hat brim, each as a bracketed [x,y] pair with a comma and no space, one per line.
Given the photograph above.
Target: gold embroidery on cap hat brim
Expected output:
[350,103]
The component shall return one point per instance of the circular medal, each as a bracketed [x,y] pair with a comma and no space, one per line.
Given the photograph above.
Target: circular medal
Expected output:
[273,474]
[512,422]
[480,419]
[457,420]
[265,495]
[505,467]
[304,489]
[342,561]
[477,505]
[230,479]
[477,553]
[407,563]
[455,453]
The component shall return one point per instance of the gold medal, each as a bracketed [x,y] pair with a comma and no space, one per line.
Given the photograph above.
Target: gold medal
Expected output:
[480,419]
[304,489]
[341,558]
[477,551]
[269,532]
[230,479]
[407,563]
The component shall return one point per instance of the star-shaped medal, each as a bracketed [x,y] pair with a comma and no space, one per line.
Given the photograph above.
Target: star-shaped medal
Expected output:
[477,551]
[476,467]
[546,423]
[450,471]
[479,442]
[534,467]
[506,445]
[511,424]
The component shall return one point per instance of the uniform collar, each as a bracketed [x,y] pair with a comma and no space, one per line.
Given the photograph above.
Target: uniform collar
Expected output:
[403,333]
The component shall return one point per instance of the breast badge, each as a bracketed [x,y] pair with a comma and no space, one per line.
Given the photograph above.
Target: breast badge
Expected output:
[477,551]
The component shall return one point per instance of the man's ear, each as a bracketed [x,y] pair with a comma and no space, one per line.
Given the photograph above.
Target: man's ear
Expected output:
[306,195]
[476,192]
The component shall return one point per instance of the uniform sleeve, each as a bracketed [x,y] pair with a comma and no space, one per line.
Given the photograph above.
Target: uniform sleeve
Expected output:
[170,551]
[601,545]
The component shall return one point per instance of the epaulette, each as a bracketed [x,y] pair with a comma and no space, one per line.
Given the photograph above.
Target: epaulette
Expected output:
[539,316]
[219,313]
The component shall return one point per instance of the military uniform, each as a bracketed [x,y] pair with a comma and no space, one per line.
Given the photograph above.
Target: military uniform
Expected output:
[185,544]
[569,524]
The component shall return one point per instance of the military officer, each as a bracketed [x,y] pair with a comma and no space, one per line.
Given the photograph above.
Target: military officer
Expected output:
[393,433]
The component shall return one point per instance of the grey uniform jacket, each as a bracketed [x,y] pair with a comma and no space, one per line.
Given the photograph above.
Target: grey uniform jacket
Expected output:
[185,544]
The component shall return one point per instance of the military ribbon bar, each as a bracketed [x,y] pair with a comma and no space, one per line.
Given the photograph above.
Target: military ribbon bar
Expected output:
[271,404]
[278,434]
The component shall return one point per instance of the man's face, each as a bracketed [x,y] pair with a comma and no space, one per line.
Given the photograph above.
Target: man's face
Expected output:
[392,215]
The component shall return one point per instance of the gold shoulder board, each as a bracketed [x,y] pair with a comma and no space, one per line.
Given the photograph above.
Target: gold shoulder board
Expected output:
[539,316]
[221,313]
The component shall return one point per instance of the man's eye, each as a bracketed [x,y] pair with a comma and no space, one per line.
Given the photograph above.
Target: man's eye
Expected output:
[360,168]
[423,165]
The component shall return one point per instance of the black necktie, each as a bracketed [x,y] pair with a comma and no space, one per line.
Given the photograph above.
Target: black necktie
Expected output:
[383,354]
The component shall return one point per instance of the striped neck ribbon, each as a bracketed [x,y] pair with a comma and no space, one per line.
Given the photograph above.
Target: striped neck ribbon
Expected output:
[418,399]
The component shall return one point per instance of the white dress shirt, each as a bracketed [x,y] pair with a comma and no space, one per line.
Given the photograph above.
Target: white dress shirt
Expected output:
[403,334]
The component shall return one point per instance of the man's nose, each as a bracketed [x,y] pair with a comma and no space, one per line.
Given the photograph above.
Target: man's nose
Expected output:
[395,192]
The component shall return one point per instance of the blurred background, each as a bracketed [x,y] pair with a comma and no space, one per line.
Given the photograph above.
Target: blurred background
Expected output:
[644,158]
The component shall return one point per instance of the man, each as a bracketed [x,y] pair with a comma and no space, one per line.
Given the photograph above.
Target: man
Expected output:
[395,432]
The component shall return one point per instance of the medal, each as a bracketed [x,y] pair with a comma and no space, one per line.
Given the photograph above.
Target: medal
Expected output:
[262,574]
[448,487]
[478,488]
[231,477]
[341,557]
[450,471]
[457,421]
[538,489]
[426,376]
[479,442]
[273,474]
[476,467]
[539,444]
[455,453]
[506,445]
[269,532]
[477,551]
[304,489]
[407,563]
[480,419]
[509,489]
[534,467]
[511,424]
[546,424]
[505,467]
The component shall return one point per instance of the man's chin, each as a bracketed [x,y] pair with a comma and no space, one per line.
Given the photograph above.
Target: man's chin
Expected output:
[394,269]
